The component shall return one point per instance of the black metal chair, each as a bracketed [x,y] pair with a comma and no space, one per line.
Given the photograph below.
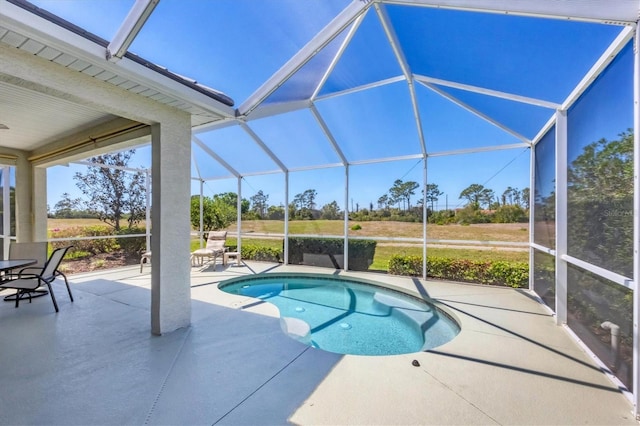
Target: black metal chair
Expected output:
[25,284]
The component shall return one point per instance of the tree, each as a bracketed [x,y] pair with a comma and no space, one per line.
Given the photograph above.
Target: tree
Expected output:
[395,192]
[259,203]
[526,198]
[216,213]
[66,207]
[383,202]
[432,194]
[408,189]
[477,194]
[231,199]
[113,192]
[309,197]
[275,212]
[330,211]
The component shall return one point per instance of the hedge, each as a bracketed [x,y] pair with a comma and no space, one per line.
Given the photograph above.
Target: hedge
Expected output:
[511,274]
[361,252]
[131,246]
[254,252]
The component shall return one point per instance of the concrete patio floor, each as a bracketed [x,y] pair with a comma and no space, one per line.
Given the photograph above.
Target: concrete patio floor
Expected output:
[95,362]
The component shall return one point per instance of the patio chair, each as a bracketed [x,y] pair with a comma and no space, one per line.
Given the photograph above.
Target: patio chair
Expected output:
[25,284]
[214,248]
[145,258]
[31,250]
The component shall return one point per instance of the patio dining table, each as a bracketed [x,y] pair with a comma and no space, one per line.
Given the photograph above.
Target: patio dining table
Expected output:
[9,265]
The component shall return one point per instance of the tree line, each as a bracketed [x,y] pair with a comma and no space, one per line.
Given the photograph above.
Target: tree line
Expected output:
[118,197]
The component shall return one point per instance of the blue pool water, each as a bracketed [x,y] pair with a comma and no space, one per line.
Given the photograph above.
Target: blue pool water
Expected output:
[347,316]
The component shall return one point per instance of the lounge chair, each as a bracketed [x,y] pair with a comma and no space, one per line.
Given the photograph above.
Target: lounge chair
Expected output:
[214,248]
[145,258]
[27,283]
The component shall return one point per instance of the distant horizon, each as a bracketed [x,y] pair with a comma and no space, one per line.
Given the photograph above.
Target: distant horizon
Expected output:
[496,177]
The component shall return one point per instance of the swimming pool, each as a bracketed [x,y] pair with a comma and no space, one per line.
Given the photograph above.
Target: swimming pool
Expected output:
[347,315]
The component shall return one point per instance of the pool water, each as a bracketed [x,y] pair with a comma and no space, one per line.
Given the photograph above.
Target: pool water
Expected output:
[347,316]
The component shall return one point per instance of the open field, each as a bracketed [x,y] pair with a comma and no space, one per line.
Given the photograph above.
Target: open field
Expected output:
[512,232]
[509,232]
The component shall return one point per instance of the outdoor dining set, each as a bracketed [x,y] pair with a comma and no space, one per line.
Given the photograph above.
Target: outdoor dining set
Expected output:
[28,269]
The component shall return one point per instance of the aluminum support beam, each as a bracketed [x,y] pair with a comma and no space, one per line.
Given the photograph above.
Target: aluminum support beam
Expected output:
[475,111]
[636,228]
[346,217]
[130,28]
[319,42]
[286,217]
[406,70]
[262,145]
[561,217]
[424,218]
[201,228]
[239,220]
[329,135]
[215,156]
[532,186]
[602,11]
[147,211]
[480,149]
[361,88]
[488,92]
[338,55]
[603,62]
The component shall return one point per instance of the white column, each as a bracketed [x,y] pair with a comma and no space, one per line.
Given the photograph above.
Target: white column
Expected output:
[170,270]
[31,201]
[561,216]
[346,217]
[286,218]
[636,230]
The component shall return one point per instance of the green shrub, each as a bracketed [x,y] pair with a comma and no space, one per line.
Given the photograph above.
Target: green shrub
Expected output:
[266,254]
[512,274]
[132,246]
[361,252]
[510,214]
[356,227]
[405,265]
[91,247]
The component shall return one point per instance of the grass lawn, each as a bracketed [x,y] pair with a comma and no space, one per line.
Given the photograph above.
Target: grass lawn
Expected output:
[516,232]
[384,252]
[480,232]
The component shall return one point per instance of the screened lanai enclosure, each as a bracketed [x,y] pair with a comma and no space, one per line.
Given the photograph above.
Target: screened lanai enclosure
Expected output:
[340,96]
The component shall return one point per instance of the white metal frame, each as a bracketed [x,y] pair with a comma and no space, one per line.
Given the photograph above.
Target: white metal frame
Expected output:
[622,12]
[636,226]
[130,28]
[561,217]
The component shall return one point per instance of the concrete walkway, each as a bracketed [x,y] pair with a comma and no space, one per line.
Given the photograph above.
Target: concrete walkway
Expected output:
[95,362]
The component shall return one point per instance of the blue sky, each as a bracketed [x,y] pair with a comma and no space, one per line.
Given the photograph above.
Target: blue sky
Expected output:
[235,45]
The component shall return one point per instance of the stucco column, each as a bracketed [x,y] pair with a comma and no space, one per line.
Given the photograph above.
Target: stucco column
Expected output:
[31,201]
[170,232]
[38,204]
